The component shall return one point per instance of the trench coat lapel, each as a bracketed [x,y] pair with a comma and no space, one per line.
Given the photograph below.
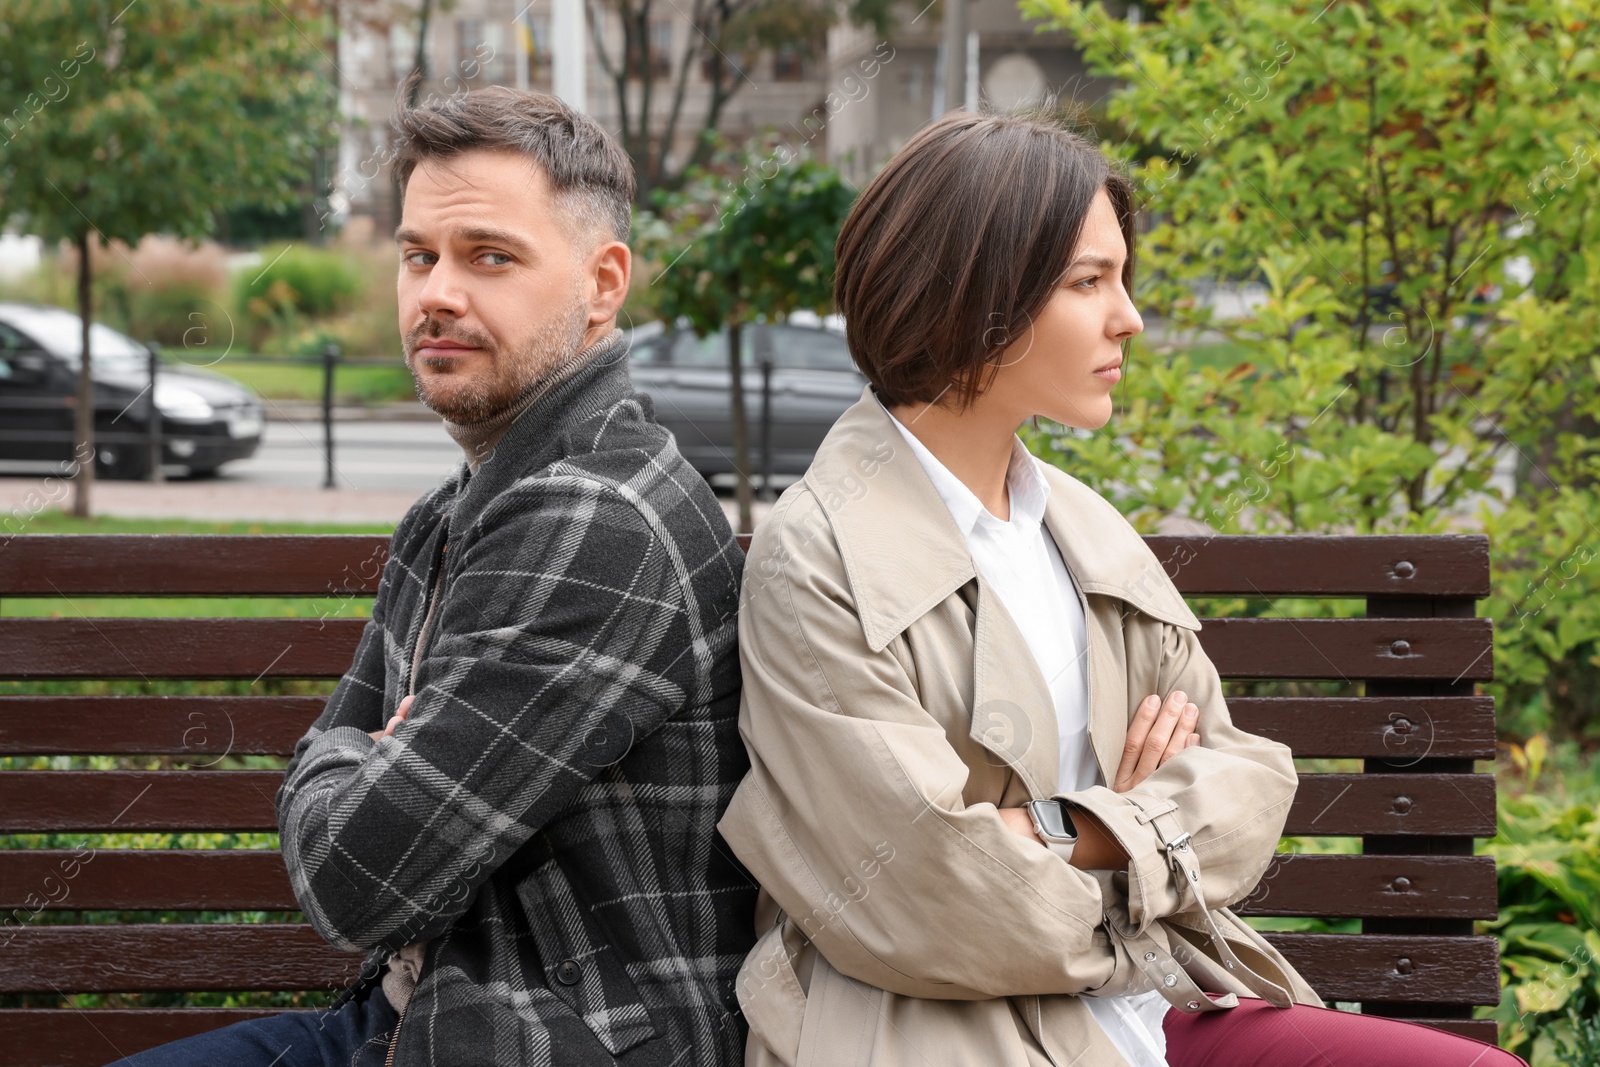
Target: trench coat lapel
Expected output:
[904,555]
[1107,558]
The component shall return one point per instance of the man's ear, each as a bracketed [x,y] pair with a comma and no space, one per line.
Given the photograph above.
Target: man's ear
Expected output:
[609,267]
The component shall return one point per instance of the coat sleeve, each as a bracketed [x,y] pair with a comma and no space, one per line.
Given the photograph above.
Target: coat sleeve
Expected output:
[852,815]
[1231,793]
[562,638]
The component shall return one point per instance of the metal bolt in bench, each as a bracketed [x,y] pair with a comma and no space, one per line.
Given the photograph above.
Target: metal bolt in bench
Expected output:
[1417,806]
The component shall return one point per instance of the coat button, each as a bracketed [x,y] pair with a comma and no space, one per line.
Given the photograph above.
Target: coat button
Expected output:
[1171,980]
[1149,957]
[568,972]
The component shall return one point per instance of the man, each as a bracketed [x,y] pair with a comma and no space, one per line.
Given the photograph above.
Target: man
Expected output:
[510,800]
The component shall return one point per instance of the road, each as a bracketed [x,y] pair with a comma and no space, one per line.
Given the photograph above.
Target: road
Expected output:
[368,455]
[380,468]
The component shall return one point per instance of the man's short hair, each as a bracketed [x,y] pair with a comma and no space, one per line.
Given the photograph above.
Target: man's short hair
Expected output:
[954,248]
[588,171]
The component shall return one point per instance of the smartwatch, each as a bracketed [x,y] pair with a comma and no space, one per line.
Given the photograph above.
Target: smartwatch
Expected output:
[1053,823]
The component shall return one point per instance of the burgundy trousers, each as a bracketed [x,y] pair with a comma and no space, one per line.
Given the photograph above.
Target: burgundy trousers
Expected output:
[1255,1034]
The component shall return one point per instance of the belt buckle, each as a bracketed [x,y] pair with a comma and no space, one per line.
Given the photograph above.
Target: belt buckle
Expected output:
[1176,845]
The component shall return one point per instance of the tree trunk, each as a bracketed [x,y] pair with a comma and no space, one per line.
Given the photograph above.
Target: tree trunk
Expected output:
[741,429]
[83,415]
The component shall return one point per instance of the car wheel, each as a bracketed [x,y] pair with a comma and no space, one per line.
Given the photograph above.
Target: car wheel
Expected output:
[122,462]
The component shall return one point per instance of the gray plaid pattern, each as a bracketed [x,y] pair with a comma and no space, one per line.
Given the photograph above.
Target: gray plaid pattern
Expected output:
[546,815]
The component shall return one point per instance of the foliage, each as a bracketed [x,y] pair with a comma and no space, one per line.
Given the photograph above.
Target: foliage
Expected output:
[1548,860]
[150,118]
[1433,290]
[297,280]
[1581,1047]
[761,248]
[736,252]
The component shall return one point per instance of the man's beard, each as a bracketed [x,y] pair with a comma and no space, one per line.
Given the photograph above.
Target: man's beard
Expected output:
[468,398]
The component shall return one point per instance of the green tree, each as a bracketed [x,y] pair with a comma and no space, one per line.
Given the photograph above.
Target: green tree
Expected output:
[152,117]
[1411,181]
[737,251]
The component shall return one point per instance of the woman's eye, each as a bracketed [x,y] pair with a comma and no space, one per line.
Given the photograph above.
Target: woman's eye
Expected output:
[1086,281]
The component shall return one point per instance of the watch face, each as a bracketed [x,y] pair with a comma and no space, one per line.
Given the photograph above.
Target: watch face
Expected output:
[1052,819]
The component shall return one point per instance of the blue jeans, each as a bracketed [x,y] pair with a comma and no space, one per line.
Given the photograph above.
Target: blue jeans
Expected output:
[356,1034]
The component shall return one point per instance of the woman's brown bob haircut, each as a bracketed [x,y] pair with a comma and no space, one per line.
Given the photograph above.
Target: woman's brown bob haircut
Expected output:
[954,248]
[589,173]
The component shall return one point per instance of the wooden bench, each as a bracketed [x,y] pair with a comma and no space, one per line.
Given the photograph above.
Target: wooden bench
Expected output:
[1406,708]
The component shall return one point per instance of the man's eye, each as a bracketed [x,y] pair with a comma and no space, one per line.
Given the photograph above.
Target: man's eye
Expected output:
[411,258]
[500,256]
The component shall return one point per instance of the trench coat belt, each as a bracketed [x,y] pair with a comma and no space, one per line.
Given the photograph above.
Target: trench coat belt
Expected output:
[1156,962]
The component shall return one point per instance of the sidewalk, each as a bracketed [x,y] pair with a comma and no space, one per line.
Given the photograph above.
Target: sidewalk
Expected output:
[217,501]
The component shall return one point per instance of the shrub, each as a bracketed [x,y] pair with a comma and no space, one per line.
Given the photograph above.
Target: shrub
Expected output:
[1548,860]
[308,281]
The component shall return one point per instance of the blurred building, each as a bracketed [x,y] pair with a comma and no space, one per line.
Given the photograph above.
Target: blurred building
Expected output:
[854,103]
[1015,67]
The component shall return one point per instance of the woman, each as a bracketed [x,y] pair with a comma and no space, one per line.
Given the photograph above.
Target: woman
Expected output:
[996,804]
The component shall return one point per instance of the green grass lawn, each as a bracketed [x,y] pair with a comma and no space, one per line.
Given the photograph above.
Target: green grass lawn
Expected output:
[357,384]
[59,522]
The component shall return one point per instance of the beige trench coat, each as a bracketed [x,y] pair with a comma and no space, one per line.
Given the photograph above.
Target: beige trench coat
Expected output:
[890,705]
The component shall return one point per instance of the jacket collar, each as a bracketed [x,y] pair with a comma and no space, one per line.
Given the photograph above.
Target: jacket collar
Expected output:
[904,554]
[538,436]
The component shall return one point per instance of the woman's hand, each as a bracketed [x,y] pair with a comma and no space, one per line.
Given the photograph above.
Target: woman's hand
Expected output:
[399,714]
[1158,732]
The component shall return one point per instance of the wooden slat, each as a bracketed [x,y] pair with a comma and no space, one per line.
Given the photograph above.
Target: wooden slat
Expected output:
[65,648]
[126,801]
[1483,1030]
[1336,886]
[1400,730]
[1396,968]
[1359,566]
[151,957]
[234,956]
[1348,649]
[38,801]
[1333,805]
[65,1037]
[339,564]
[140,880]
[41,649]
[320,565]
[160,880]
[201,728]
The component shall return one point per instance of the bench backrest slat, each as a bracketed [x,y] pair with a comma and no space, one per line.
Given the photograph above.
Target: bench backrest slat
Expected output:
[198,727]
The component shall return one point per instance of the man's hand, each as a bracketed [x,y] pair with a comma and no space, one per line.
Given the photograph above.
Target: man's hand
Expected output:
[1158,732]
[399,714]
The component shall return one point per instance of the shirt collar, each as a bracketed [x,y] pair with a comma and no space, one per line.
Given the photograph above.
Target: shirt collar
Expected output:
[1027,487]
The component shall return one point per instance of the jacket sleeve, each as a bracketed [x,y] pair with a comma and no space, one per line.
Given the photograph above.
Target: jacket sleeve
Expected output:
[561,638]
[852,815]
[1231,793]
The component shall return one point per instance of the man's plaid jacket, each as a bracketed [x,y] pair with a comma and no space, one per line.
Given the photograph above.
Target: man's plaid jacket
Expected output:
[545,817]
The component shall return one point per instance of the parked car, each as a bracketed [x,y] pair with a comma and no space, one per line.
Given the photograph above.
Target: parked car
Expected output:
[206,419]
[686,377]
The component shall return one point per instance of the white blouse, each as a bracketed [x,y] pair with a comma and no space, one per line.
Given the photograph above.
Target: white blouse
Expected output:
[1021,564]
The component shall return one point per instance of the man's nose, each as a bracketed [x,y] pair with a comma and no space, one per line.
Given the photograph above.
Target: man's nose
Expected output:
[444,292]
